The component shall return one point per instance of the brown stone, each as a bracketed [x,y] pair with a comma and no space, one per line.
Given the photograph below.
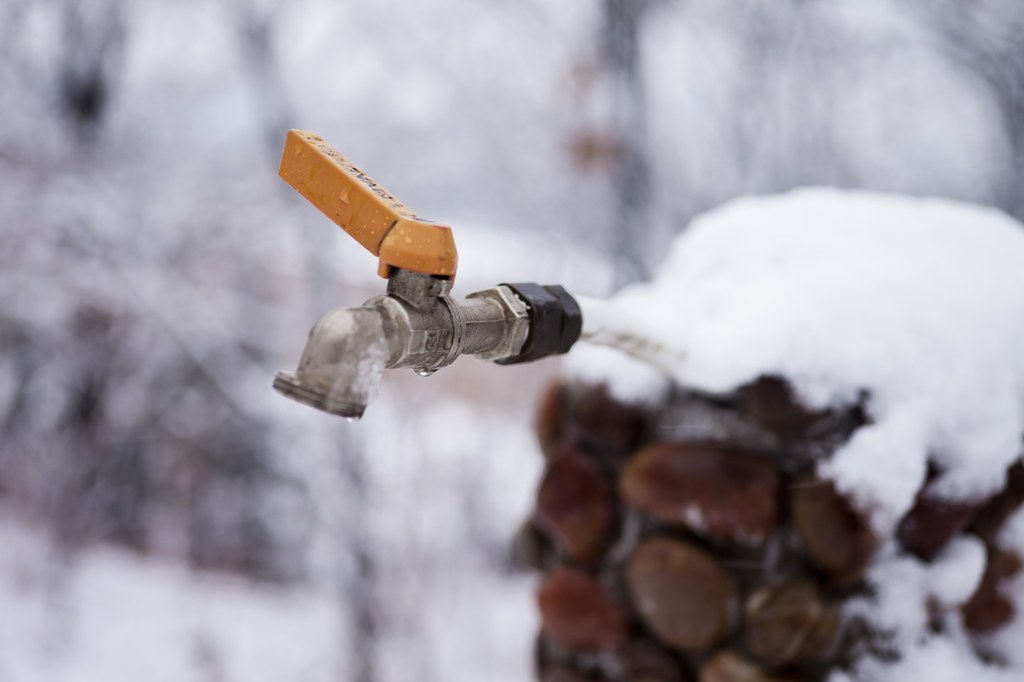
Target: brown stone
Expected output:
[990,608]
[644,661]
[575,507]
[589,418]
[932,523]
[531,548]
[790,623]
[771,403]
[681,593]
[836,536]
[729,666]
[550,422]
[579,613]
[718,493]
[564,674]
[996,511]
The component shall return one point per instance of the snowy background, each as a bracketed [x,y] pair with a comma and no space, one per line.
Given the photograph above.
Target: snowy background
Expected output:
[165,515]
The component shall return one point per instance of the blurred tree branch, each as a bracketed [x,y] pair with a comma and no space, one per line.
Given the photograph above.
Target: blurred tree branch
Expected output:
[620,47]
[987,37]
[90,62]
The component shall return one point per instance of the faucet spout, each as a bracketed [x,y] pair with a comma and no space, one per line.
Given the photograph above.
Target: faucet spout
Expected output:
[341,366]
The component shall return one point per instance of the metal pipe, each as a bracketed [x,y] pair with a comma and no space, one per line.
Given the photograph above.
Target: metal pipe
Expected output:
[419,326]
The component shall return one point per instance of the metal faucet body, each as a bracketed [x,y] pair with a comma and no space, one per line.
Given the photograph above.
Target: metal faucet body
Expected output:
[427,329]
[418,325]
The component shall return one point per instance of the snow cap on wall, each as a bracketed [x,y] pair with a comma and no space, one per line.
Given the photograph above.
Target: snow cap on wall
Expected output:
[917,304]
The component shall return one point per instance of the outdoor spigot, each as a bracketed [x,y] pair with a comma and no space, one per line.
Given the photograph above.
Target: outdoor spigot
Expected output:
[416,324]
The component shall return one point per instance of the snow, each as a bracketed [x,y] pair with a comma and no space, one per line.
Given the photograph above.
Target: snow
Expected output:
[1007,642]
[903,586]
[917,303]
[956,573]
[916,307]
[635,382]
[115,616]
[935,659]
[455,482]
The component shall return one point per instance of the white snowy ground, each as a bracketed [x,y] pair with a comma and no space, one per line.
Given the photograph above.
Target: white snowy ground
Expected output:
[109,616]
[444,495]
[917,302]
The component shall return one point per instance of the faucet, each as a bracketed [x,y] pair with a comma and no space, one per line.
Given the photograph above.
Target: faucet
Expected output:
[416,324]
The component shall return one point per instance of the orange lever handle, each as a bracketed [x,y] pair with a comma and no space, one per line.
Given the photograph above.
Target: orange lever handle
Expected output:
[385,226]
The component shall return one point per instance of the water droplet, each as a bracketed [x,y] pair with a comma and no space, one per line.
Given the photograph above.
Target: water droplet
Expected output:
[424,372]
[352,418]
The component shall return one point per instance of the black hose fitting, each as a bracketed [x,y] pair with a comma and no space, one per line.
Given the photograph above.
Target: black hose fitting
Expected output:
[555,321]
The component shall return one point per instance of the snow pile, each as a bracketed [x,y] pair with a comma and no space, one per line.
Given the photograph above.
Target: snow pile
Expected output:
[903,583]
[913,306]
[917,304]
[110,615]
